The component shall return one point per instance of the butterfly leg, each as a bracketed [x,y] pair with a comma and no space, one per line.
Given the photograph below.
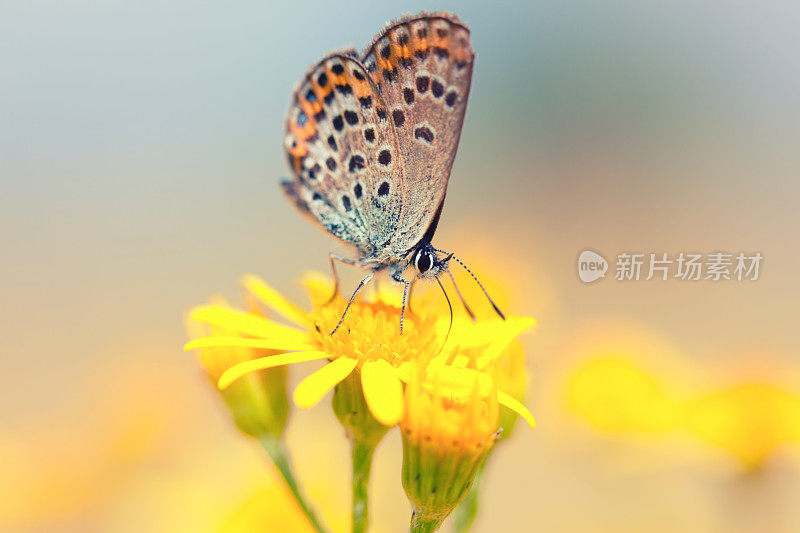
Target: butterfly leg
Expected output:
[399,279]
[344,260]
[353,297]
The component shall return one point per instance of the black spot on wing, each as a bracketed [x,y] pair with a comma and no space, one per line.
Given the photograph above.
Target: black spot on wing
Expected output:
[451,98]
[437,89]
[390,74]
[351,117]
[398,117]
[424,133]
[356,163]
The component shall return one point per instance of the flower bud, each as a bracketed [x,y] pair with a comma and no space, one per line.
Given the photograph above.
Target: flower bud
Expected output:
[351,409]
[259,401]
[448,428]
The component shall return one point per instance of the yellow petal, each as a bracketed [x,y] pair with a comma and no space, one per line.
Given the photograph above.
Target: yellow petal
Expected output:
[454,382]
[382,391]
[504,336]
[319,286]
[246,342]
[517,407]
[275,301]
[235,321]
[405,369]
[314,387]
[262,363]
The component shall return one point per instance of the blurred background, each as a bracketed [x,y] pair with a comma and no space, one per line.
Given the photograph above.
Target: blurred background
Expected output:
[140,150]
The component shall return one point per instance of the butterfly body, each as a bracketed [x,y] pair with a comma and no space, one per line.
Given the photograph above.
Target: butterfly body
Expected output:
[371,138]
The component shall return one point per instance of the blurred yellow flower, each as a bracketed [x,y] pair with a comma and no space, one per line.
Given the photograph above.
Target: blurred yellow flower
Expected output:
[369,343]
[268,508]
[750,420]
[69,468]
[616,395]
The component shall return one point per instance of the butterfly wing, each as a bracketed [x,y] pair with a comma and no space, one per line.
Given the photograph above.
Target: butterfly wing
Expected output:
[341,150]
[422,67]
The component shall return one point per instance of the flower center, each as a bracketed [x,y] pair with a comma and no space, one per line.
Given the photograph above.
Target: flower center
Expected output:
[371,330]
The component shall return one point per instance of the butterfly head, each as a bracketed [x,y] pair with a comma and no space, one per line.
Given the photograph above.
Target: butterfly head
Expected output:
[428,263]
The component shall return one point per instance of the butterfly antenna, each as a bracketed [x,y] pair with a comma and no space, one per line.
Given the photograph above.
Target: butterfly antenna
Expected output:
[460,297]
[485,292]
[411,293]
[450,306]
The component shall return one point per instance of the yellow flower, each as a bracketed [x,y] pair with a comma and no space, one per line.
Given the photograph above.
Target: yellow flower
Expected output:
[449,425]
[750,420]
[510,376]
[368,344]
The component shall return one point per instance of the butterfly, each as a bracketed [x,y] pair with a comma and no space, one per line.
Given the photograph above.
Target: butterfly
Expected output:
[371,138]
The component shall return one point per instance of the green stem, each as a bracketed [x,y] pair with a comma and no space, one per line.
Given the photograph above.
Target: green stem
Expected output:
[277,451]
[425,524]
[362,463]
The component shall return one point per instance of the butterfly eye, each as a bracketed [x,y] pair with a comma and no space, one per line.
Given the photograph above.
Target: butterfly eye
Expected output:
[423,262]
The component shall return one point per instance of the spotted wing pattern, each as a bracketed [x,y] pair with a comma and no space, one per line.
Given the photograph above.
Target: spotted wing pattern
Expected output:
[422,67]
[344,154]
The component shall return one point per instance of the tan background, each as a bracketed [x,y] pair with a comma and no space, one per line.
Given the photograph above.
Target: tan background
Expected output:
[140,148]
